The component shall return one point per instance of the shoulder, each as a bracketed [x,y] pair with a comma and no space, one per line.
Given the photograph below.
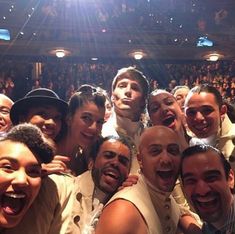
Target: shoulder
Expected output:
[131,220]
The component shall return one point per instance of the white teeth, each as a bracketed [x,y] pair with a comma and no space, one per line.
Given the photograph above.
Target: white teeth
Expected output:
[14,195]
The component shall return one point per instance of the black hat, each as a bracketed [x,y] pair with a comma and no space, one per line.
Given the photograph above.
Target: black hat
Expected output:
[34,98]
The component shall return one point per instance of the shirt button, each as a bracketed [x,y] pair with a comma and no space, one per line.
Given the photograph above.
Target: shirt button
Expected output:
[76,219]
[167,206]
[78,196]
[168,229]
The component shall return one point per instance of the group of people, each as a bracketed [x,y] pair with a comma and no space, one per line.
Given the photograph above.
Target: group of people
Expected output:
[137,162]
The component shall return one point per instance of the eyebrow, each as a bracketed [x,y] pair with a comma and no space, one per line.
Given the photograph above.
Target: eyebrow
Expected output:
[189,174]
[114,153]
[209,172]
[16,161]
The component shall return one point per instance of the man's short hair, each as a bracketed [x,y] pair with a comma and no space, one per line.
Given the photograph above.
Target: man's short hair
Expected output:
[124,140]
[202,148]
[32,137]
[179,87]
[207,89]
[136,75]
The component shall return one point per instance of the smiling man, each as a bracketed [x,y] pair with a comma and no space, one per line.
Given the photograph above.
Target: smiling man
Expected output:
[148,207]
[22,151]
[129,95]
[207,119]
[111,161]
[5,107]
[208,181]
[43,108]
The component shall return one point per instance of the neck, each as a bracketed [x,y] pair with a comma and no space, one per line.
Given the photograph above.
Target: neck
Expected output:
[101,196]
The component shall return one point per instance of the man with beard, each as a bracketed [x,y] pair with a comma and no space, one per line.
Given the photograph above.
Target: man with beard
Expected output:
[111,161]
[129,94]
[208,181]
[207,119]
[148,207]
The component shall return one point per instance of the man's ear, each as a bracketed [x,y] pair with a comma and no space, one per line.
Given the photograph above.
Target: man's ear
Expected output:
[139,158]
[90,164]
[112,98]
[231,179]
[223,111]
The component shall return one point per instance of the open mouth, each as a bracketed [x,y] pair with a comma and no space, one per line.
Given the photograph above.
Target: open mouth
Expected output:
[169,121]
[13,203]
[112,174]
[165,174]
[207,205]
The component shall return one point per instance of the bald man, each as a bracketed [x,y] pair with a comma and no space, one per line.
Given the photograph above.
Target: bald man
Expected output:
[148,207]
[5,107]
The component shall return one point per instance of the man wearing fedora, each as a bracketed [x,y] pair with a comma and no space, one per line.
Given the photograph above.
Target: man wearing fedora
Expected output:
[41,107]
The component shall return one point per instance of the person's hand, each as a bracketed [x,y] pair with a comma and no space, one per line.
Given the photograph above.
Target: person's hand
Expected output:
[57,165]
[131,179]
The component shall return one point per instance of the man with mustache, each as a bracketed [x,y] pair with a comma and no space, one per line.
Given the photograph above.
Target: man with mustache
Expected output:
[148,207]
[110,166]
[208,181]
[129,94]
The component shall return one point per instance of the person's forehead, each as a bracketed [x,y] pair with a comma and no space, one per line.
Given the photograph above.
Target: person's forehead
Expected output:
[202,162]
[115,146]
[160,96]
[5,102]
[16,151]
[128,78]
[201,98]
[160,137]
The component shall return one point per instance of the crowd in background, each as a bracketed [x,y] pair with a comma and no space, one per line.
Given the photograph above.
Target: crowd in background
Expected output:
[16,78]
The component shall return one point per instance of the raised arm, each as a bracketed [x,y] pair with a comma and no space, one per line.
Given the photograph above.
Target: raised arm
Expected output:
[121,217]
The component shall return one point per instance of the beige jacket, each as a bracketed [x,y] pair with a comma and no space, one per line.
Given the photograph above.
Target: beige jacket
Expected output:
[161,213]
[49,213]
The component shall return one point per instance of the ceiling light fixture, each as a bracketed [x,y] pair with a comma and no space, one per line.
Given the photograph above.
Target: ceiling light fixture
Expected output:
[59,52]
[213,57]
[138,55]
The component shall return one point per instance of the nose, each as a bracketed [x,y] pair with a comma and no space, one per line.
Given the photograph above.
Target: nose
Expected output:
[199,116]
[93,126]
[115,161]
[128,91]
[202,188]
[165,159]
[50,121]
[20,178]
[164,108]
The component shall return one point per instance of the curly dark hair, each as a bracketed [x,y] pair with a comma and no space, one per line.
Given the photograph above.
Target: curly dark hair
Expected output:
[32,137]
